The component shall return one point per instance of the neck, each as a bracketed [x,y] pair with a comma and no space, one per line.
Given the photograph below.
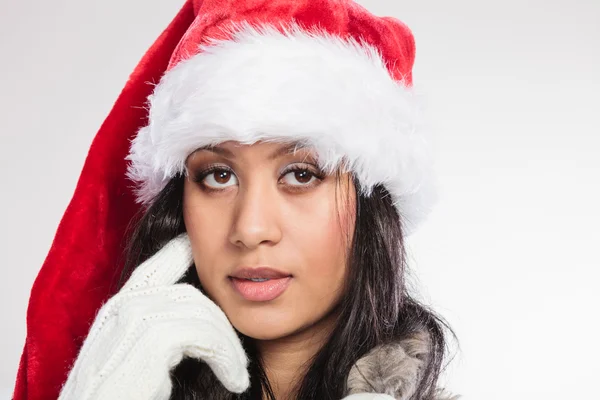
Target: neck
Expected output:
[286,360]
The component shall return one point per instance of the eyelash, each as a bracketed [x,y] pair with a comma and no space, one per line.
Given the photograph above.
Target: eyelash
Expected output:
[201,175]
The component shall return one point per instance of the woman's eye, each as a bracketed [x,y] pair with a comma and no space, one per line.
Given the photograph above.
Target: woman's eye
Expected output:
[219,179]
[301,177]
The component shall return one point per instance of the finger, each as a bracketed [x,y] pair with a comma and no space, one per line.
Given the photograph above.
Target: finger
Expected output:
[186,292]
[231,373]
[166,267]
[223,353]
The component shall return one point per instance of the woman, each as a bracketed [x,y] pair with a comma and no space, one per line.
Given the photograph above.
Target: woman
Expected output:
[279,170]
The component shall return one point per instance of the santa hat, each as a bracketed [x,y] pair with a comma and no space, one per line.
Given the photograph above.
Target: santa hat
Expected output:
[327,74]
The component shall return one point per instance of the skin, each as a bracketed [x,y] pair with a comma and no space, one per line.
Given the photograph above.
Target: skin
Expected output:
[253,210]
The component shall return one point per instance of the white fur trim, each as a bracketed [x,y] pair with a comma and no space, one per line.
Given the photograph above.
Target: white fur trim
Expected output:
[336,95]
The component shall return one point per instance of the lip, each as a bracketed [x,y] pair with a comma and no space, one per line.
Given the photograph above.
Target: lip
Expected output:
[261,291]
[276,284]
[258,273]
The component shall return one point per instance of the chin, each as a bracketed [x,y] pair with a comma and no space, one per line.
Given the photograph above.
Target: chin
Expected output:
[264,321]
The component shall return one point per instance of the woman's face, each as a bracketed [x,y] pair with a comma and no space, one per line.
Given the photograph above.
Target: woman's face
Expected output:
[270,235]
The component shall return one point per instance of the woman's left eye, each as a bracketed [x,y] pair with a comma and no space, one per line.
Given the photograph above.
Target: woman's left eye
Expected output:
[299,177]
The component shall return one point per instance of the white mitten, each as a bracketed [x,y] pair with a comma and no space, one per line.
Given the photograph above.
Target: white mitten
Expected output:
[145,330]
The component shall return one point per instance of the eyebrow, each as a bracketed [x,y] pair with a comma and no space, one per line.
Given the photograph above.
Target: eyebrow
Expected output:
[286,150]
[280,152]
[218,150]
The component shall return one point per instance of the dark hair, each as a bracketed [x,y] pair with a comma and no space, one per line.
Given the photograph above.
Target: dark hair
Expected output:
[376,307]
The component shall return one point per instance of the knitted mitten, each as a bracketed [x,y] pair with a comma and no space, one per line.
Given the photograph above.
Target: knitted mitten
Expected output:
[145,330]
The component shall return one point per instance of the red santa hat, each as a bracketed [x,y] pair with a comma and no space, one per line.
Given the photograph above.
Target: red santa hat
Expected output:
[327,74]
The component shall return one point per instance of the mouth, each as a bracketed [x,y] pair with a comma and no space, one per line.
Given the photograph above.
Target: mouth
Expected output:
[260,284]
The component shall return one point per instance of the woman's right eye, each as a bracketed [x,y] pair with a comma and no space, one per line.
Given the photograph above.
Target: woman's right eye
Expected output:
[219,179]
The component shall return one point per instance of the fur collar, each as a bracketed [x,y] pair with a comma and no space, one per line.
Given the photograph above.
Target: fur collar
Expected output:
[393,369]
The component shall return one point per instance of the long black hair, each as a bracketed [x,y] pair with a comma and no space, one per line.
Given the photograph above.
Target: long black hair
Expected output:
[375,307]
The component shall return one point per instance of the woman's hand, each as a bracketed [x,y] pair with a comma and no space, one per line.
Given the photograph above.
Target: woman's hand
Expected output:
[145,330]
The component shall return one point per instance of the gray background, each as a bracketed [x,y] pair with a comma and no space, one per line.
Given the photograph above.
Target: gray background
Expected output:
[509,257]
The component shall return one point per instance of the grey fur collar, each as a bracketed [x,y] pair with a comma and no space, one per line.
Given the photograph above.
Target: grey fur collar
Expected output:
[393,369]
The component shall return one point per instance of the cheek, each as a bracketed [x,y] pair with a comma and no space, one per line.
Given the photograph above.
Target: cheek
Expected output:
[207,229]
[321,243]
[322,240]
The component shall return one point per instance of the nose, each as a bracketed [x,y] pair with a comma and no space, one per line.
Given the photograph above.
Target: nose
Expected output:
[256,217]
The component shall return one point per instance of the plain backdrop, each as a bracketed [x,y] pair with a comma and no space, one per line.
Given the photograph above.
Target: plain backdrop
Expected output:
[510,255]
